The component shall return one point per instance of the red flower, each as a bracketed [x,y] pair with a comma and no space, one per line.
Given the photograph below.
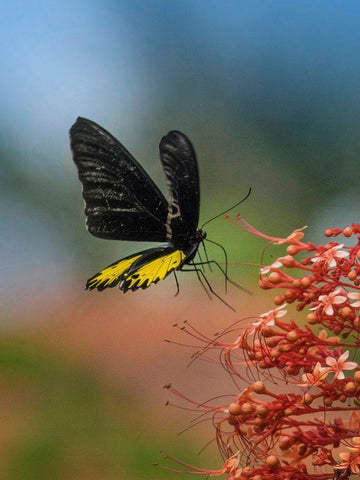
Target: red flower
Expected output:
[298,405]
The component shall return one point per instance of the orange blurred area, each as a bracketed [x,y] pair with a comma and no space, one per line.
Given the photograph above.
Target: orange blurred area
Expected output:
[82,384]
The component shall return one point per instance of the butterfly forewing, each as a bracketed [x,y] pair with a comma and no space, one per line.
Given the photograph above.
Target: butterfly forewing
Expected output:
[179,162]
[121,200]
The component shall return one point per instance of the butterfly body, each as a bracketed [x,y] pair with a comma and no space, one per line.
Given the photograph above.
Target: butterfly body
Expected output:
[123,203]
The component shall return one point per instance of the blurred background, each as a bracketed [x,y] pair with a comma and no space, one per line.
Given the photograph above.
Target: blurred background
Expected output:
[268,92]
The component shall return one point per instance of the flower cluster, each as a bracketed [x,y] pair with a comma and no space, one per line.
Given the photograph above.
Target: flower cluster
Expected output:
[300,416]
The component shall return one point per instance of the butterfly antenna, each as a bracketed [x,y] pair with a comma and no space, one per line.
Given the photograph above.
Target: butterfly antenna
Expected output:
[227,210]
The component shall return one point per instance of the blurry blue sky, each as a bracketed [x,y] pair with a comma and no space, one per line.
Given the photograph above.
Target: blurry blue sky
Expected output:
[267,90]
[116,60]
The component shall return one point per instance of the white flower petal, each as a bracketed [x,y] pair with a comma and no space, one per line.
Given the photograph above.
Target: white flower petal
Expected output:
[342,254]
[354,295]
[339,299]
[344,356]
[329,310]
[350,365]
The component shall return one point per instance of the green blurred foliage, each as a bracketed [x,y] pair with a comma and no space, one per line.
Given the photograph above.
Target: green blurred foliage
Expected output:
[62,423]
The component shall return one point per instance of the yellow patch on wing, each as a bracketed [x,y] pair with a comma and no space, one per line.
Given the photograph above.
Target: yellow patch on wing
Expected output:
[153,271]
[109,277]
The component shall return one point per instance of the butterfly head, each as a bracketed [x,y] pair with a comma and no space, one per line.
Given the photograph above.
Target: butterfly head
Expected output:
[200,235]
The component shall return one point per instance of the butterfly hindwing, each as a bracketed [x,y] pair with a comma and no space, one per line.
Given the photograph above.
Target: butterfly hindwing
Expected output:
[121,200]
[179,162]
[154,265]
[139,270]
[111,275]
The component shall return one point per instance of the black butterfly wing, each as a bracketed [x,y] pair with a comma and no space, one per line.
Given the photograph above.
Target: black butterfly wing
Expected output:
[121,200]
[179,162]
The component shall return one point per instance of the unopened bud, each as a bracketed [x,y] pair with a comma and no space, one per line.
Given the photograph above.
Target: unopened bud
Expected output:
[267,332]
[288,261]
[292,369]
[247,408]
[274,353]
[259,387]
[302,449]
[292,250]
[308,398]
[306,281]
[274,277]
[292,336]
[279,299]
[272,341]
[272,461]
[289,295]
[350,387]
[284,444]
[357,376]
[352,275]
[312,318]
[290,410]
[262,411]
[347,232]
[346,312]
[285,348]
[234,408]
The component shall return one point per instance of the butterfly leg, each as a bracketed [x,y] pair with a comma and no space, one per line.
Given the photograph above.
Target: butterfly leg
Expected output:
[225,275]
[201,262]
[207,259]
[209,262]
[197,271]
[177,285]
[202,278]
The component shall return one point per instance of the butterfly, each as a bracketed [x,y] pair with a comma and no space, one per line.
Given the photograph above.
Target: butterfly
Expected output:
[123,203]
